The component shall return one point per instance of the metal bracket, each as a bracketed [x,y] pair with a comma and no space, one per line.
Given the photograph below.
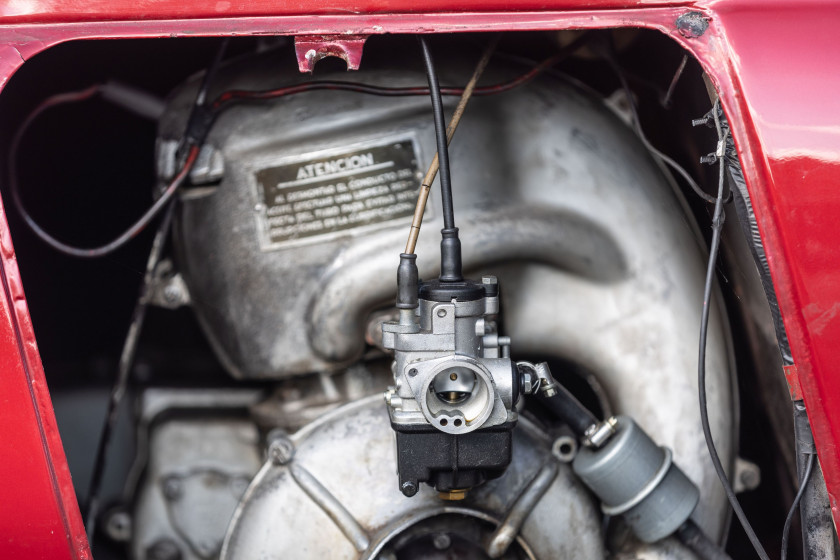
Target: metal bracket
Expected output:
[312,48]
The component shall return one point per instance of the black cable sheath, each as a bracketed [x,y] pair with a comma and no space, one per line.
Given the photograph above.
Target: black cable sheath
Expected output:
[717,226]
[812,459]
[440,137]
[694,538]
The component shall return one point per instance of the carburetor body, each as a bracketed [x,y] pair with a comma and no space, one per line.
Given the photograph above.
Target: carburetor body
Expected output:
[452,404]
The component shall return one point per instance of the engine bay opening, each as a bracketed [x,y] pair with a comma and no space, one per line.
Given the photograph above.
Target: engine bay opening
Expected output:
[546,317]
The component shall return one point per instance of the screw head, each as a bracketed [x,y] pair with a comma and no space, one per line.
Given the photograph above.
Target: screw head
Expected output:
[441,312]
[408,489]
[281,451]
[692,24]
[412,372]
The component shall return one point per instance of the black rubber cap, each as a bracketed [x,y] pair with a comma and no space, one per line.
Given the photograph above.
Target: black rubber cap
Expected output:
[465,290]
[407,282]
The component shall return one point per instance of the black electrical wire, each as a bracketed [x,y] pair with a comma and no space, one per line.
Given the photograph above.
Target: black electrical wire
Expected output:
[656,153]
[118,389]
[198,126]
[717,226]
[812,459]
[440,137]
[121,239]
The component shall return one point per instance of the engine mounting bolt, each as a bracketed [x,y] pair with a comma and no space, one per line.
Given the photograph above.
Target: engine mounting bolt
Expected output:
[172,488]
[441,541]
[281,451]
[408,488]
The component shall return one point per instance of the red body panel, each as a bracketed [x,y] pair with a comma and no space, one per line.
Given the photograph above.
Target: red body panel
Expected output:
[770,60]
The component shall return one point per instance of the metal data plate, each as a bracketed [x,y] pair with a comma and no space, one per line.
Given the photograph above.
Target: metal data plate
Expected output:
[327,192]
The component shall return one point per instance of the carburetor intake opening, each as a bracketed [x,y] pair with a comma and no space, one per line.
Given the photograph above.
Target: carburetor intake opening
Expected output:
[454,386]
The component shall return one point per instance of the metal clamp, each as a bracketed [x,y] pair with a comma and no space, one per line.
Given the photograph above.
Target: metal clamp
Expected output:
[599,434]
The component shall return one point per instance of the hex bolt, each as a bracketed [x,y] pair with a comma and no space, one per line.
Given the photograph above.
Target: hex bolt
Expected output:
[281,451]
[408,489]
[441,541]
[164,549]
[172,488]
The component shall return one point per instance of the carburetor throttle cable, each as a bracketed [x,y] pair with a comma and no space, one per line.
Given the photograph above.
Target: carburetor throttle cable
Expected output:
[440,136]
[431,173]
[450,245]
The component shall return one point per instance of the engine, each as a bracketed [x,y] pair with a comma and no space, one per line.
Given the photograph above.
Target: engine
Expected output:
[518,381]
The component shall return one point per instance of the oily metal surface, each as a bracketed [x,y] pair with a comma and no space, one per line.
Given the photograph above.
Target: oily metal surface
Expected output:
[596,260]
[335,496]
[338,496]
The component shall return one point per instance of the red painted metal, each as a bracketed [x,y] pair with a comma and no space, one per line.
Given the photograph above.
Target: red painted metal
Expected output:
[311,49]
[770,60]
[39,517]
[55,11]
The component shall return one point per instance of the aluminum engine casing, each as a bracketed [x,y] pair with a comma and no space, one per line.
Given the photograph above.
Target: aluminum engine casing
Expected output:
[554,194]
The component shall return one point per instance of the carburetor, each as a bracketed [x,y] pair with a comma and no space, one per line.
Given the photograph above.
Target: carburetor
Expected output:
[452,405]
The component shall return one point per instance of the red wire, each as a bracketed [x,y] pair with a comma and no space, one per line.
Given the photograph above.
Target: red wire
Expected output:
[123,238]
[235,95]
